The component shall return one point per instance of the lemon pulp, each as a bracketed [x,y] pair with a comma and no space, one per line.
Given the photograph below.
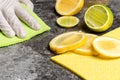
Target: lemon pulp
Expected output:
[87,48]
[67,41]
[68,7]
[107,47]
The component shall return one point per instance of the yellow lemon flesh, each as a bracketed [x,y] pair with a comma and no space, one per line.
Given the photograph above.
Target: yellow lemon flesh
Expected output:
[98,18]
[67,21]
[87,48]
[67,41]
[107,47]
[68,7]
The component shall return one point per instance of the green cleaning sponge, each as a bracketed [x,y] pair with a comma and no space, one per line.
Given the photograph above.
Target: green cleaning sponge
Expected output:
[5,41]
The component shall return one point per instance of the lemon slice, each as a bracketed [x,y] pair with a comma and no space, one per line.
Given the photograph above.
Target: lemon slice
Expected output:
[67,41]
[67,21]
[68,7]
[107,47]
[87,48]
[98,18]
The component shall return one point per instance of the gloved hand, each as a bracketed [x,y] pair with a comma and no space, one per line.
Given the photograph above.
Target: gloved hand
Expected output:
[28,3]
[10,25]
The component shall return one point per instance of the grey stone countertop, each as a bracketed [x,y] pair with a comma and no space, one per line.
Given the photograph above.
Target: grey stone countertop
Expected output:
[30,60]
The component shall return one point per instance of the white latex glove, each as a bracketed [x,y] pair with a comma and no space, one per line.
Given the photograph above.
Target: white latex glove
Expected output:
[10,25]
[28,3]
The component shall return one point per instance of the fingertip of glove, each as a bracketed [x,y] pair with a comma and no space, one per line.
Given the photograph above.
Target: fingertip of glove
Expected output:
[10,35]
[22,35]
[37,27]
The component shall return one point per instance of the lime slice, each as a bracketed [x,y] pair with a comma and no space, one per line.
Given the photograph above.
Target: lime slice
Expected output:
[98,18]
[67,41]
[67,21]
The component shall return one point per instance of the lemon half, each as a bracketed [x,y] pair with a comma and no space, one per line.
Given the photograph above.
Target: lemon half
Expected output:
[98,18]
[68,7]
[67,41]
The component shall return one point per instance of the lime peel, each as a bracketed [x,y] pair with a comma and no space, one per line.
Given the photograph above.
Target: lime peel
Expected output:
[107,24]
[67,21]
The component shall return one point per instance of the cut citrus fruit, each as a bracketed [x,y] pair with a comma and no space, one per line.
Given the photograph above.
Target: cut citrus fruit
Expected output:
[107,47]
[68,7]
[87,48]
[98,18]
[67,41]
[67,21]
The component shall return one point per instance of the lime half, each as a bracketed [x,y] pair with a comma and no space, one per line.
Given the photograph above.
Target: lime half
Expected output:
[67,21]
[98,18]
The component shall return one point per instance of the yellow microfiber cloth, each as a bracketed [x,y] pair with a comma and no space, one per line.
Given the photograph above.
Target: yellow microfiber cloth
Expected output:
[5,41]
[90,67]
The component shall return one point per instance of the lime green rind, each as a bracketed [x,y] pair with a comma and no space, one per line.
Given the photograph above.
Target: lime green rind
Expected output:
[110,21]
[5,41]
[90,22]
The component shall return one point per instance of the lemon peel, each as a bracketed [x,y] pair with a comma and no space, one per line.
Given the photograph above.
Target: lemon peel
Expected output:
[67,41]
[107,47]
[69,7]
[87,48]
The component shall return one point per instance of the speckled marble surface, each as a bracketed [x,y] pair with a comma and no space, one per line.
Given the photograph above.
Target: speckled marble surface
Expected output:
[30,60]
